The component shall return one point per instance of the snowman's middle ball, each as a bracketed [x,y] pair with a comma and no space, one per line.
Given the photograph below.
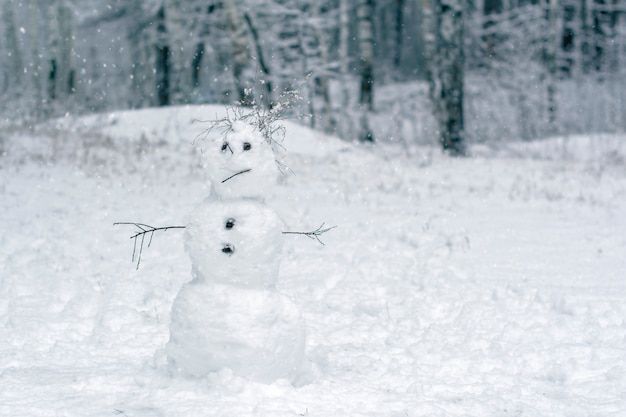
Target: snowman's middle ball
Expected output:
[235,242]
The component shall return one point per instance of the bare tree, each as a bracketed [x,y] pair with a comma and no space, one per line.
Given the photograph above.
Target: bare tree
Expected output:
[61,72]
[444,20]
[550,50]
[323,79]
[35,62]
[399,26]
[262,63]
[15,64]
[178,21]
[241,56]
[162,67]
[366,50]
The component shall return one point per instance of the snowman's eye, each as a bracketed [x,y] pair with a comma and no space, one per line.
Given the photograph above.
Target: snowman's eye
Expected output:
[247,146]
[228,249]
[230,223]
[226,146]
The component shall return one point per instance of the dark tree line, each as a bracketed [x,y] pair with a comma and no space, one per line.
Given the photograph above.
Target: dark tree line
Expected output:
[345,57]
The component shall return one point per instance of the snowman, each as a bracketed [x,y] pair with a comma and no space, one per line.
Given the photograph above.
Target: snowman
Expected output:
[230,315]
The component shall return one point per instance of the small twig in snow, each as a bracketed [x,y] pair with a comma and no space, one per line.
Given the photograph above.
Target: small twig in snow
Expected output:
[234,175]
[315,234]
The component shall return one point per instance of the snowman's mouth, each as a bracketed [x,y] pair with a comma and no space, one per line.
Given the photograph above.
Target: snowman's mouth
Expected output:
[238,173]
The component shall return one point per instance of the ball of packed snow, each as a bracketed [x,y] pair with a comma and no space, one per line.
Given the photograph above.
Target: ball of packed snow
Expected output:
[257,333]
[241,164]
[237,242]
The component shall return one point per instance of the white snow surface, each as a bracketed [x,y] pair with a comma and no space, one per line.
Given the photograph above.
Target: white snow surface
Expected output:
[256,333]
[485,286]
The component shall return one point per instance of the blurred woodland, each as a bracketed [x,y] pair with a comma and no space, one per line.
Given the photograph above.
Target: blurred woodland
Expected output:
[409,71]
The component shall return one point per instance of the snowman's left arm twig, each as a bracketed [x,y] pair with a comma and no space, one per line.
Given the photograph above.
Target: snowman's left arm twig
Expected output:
[144,229]
[315,234]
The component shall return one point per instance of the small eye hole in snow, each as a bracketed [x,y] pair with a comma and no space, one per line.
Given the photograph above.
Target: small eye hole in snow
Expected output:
[226,146]
[230,223]
[228,249]
[247,146]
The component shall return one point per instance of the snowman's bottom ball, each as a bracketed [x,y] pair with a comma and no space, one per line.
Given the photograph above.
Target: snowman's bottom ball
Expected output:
[257,333]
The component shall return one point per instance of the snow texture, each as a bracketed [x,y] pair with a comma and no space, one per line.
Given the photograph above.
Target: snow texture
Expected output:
[256,333]
[484,286]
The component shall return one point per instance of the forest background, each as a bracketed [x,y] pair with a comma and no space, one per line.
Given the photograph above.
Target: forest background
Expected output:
[407,71]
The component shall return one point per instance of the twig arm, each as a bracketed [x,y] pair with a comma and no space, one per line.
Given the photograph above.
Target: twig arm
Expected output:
[315,234]
[144,229]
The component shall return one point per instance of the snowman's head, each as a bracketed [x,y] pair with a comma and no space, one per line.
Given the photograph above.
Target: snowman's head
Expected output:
[241,163]
[236,242]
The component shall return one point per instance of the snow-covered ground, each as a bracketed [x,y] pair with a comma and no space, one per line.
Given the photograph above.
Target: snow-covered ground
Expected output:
[486,286]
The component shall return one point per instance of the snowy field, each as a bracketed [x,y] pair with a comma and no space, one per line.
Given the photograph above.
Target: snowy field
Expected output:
[486,286]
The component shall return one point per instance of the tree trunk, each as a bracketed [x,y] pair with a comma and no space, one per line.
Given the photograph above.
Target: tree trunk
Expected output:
[53,51]
[584,44]
[492,11]
[366,49]
[265,69]
[35,63]
[174,39]
[399,26]
[162,60]
[446,61]
[196,65]
[241,55]
[550,62]
[67,73]
[344,36]
[61,74]
[322,81]
[345,125]
[15,67]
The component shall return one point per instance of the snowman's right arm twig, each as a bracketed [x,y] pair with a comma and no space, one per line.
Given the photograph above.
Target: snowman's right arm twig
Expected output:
[315,234]
[144,229]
